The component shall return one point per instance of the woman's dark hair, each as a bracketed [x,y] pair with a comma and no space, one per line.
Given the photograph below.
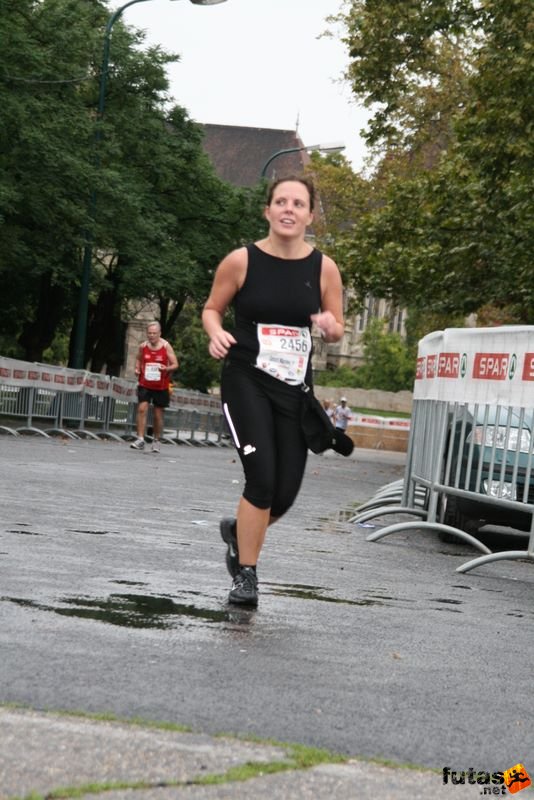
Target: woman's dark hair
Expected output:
[304,179]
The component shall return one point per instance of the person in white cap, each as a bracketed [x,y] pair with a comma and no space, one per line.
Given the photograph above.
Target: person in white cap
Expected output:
[343,414]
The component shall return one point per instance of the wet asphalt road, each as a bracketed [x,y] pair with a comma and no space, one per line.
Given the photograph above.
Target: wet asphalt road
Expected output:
[113,598]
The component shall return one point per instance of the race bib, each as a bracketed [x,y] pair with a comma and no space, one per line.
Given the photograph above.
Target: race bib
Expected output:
[284,351]
[152,371]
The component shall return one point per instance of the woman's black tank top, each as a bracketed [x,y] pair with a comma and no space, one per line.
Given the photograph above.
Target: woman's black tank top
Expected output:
[276,290]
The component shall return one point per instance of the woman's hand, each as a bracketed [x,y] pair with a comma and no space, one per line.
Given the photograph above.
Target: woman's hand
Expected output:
[331,329]
[220,343]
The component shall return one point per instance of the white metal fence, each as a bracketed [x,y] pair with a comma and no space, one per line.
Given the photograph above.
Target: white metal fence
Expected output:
[470,455]
[47,400]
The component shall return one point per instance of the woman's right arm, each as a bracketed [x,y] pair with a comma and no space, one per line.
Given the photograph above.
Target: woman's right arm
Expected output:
[229,278]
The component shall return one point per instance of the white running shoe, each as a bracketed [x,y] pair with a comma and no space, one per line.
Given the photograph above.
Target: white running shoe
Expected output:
[155,446]
[139,444]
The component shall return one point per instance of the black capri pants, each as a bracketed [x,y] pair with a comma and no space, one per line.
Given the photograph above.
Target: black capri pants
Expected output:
[263,415]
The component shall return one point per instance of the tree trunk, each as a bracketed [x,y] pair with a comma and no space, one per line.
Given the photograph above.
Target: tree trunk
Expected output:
[106,334]
[38,333]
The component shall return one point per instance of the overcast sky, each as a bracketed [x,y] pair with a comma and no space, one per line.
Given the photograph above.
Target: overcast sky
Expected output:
[257,63]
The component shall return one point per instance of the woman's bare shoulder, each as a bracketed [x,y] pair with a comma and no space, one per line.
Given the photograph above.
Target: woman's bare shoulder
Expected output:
[237,257]
[328,264]
[234,266]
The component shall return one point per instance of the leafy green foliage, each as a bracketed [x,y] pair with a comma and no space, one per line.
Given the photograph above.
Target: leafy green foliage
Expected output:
[447,226]
[409,62]
[44,171]
[198,370]
[342,376]
[389,364]
[137,181]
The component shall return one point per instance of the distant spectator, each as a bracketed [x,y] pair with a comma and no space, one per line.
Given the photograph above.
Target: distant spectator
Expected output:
[343,415]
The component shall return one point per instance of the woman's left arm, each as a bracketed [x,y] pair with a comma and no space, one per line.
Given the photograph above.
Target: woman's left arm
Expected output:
[330,319]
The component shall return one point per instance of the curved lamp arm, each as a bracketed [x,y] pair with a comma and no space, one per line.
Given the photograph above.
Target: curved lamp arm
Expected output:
[334,147]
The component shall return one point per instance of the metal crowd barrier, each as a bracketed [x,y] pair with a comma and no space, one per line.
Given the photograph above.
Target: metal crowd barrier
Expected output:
[46,400]
[470,458]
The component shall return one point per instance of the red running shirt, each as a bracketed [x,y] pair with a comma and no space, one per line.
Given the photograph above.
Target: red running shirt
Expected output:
[151,376]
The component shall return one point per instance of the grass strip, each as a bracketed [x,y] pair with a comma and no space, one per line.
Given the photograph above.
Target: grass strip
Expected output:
[299,757]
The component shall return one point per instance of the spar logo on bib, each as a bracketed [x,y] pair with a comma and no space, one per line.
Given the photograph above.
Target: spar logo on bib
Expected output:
[270,330]
[494,366]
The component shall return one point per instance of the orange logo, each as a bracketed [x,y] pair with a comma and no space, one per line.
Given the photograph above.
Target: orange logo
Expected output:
[516,778]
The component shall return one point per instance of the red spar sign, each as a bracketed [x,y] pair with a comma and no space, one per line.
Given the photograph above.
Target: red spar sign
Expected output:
[448,365]
[528,367]
[491,366]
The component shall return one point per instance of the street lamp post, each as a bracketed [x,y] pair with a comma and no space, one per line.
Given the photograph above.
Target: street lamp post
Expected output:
[83,303]
[333,147]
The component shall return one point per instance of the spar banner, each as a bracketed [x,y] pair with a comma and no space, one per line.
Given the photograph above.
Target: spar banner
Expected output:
[52,378]
[121,389]
[96,385]
[477,365]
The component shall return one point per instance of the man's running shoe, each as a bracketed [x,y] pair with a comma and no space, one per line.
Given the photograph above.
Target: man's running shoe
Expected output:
[228,528]
[139,444]
[155,446]
[244,591]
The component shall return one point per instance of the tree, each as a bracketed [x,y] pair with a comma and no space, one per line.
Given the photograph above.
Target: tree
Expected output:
[496,140]
[342,197]
[198,370]
[44,182]
[388,362]
[450,226]
[410,63]
[163,219]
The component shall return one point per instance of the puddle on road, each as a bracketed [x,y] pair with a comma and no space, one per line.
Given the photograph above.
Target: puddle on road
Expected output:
[303,592]
[447,600]
[129,583]
[68,530]
[131,610]
[374,597]
[333,523]
[164,613]
[343,515]
[94,533]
